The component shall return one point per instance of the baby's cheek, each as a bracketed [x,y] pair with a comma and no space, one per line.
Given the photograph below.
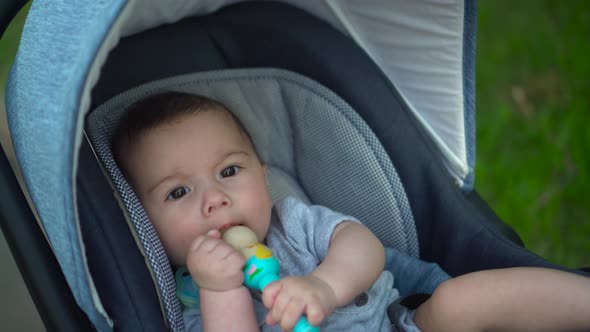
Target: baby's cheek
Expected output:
[176,253]
[176,245]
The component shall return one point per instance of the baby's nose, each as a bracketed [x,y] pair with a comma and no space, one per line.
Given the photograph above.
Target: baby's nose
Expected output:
[214,200]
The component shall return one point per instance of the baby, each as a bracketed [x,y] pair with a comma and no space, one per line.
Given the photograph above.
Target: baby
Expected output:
[196,172]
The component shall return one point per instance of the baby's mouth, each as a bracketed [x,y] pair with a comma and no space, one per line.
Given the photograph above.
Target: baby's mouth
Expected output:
[225,227]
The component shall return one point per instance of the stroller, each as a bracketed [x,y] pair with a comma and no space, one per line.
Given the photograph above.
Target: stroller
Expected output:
[385,92]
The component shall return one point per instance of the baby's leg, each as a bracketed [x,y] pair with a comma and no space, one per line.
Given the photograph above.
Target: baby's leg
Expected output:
[514,299]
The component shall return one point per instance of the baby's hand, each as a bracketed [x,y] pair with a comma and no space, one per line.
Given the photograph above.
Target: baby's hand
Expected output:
[291,297]
[215,265]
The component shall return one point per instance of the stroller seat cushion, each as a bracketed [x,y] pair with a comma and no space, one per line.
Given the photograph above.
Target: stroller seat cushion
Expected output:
[317,148]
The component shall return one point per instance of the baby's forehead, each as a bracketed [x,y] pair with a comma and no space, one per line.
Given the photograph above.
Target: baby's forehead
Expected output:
[227,117]
[241,129]
[212,117]
[223,115]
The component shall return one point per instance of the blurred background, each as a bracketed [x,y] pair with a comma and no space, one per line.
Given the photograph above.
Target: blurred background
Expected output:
[533,147]
[533,106]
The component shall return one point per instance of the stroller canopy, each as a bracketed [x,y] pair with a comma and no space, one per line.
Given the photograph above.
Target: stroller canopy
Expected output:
[424,48]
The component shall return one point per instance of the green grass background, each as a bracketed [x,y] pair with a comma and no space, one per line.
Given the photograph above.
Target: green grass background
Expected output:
[533,108]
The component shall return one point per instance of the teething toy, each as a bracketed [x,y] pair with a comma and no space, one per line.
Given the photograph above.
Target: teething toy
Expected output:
[261,266]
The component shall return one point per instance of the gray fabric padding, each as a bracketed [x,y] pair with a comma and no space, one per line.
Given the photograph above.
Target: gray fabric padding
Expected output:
[317,148]
[282,185]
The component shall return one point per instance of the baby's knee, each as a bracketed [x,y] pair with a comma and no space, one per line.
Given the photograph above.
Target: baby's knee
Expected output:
[448,309]
[444,300]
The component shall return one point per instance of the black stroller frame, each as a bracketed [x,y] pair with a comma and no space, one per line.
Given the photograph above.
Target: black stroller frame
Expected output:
[456,228]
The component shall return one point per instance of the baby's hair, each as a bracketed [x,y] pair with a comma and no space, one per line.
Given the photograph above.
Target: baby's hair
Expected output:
[163,108]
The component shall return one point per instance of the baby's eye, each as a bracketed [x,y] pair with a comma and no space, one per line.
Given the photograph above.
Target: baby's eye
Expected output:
[229,171]
[178,193]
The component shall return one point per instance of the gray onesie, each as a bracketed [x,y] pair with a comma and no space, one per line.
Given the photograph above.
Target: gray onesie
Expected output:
[299,236]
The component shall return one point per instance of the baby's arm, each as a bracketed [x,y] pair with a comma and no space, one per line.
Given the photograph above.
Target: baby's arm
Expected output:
[225,304]
[354,261]
[230,310]
[512,299]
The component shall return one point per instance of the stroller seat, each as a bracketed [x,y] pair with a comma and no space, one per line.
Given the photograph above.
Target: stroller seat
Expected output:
[270,64]
[316,147]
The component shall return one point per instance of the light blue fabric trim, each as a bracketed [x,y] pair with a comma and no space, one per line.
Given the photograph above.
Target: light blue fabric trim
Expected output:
[469,45]
[58,45]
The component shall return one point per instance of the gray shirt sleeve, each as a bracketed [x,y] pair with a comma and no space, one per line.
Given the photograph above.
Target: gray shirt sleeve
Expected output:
[300,234]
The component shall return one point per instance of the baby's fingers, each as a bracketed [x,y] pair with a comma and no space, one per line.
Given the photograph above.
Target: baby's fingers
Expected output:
[269,294]
[275,313]
[292,313]
[214,233]
[204,243]
[315,314]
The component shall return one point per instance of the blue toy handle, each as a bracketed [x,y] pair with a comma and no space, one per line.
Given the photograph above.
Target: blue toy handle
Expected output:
[259,272]
[304,326]
[268,271]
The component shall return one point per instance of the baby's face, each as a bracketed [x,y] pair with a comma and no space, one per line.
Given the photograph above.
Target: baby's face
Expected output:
[197,174]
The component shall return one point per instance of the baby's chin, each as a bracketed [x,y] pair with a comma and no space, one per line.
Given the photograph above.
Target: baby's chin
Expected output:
[177,264]
[178,260]
[262,237]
